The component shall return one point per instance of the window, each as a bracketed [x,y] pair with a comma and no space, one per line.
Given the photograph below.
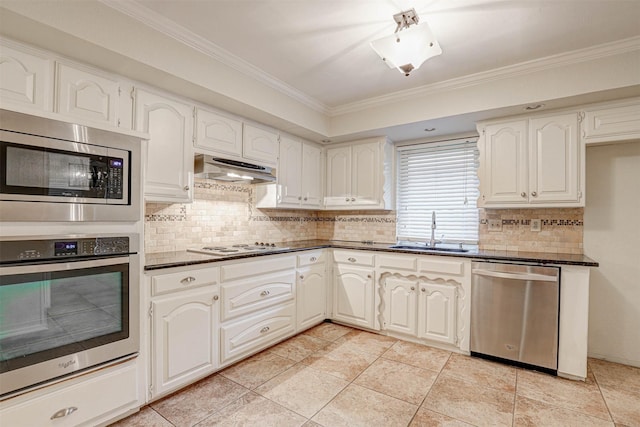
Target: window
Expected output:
[441,178]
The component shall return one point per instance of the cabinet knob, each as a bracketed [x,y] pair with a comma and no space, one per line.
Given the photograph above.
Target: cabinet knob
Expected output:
[368,276]
[299,197]
[351,259]
[305,199]
[353,199]
[265,329]
[523,194]
[346,200]
[186,188]
[423,290]
[264,293]
[188,280]
[413,288]
[216,297]
[534,194]
[302,276]
[64,412]
[313,259]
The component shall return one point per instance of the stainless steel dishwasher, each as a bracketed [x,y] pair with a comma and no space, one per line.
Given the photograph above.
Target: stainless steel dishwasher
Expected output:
[514,313]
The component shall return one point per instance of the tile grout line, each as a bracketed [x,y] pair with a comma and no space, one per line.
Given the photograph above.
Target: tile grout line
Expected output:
[430,388]
[606,404]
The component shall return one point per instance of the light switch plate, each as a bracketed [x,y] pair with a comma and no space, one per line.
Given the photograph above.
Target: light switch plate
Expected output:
[536,225]
[495,225]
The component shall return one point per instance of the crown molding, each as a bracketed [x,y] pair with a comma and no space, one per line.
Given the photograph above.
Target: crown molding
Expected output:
[168,27]
[550,62]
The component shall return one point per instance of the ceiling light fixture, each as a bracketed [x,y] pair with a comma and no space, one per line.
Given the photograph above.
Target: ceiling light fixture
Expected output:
[409,46]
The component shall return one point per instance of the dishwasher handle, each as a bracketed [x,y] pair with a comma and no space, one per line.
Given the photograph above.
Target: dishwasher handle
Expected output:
[515,276]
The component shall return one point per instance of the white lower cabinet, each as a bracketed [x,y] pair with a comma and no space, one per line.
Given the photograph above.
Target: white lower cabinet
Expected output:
[437,312]
[353,295]
[89,400]
[184,339]
[400,304]
[311,290]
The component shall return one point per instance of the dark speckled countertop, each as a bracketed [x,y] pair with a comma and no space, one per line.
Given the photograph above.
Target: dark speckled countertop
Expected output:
[161,260]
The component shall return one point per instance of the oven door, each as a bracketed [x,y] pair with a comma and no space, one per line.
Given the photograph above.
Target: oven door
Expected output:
[60,318]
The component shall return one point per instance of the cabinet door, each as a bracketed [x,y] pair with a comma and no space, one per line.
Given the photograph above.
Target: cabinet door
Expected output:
[338,177]
[25,80]
[83,95]
[218,134]
[311,176]
[184,337]
[311,296]
[554,159]
[169,160]
[289,171]
[353,298]
[366,175]
[400,305]
[260,145]
[504,163]
[437,312]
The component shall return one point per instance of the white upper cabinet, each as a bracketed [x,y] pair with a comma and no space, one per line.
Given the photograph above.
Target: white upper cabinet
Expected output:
[169,159]
[531,162]
[25,79]
[299,178]
[217,134]
[260,145]
[612,122]
[87,96]
[360,176]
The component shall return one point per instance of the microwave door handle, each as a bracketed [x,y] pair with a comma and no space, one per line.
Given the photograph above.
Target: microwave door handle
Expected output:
[75,265]
[515,276]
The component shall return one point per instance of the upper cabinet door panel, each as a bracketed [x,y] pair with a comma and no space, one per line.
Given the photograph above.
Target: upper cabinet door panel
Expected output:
[218,133]
[86,96]
[311,175]
[505,169]
[365,184]
[260,145]
[338,175]
[554,159]
[290,170]
[612,122]
[25,80]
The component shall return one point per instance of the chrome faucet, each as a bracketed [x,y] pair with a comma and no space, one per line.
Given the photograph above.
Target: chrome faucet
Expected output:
[432,241]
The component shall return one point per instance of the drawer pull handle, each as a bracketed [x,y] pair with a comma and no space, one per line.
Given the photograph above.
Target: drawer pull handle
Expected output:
[188,280]
[264,293]
[313,259]
[265,329]
[64,412]
[351,259]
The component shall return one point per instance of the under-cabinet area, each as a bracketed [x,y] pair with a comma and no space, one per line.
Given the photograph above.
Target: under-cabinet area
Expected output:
[205,317]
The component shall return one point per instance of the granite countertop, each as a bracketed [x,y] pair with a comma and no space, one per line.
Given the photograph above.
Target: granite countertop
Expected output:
[156,261]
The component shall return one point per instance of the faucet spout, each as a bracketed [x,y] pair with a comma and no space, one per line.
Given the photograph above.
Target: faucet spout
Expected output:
[432,241]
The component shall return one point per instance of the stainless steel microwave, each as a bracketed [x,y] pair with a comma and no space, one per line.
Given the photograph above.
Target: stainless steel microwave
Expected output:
[58,171]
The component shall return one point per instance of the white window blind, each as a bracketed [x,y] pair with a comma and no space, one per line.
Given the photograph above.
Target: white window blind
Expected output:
[440,177]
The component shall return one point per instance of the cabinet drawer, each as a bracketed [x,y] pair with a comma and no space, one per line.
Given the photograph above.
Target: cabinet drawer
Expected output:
[191,279]
[245,336]
[397,262]
[355,258]
[254,294]
[439,265]
[96,400]
[311,258]
[253,268]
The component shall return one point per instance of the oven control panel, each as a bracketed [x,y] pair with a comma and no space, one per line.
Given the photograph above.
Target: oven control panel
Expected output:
[33,250]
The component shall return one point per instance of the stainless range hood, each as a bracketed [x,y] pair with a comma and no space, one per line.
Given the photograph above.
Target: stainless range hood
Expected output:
[231,170]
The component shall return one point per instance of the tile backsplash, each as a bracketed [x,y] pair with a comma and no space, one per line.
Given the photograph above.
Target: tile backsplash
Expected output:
[226,214]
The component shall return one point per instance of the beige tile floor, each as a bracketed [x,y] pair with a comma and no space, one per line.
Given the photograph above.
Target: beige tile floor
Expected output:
[332,375]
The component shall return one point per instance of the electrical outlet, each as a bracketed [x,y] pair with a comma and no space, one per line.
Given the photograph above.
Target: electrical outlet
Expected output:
[536,225]
[495,225]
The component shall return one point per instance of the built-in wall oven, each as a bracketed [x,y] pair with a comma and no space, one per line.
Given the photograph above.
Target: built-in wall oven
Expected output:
[67,304]
[58,171]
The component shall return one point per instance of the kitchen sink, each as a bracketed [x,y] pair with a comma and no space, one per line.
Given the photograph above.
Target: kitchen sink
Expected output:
[428,249]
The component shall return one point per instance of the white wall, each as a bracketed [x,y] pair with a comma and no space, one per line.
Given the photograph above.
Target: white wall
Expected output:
[612,237]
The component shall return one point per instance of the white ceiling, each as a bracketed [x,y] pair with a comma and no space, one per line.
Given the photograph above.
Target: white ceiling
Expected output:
[321,48]
[306,67]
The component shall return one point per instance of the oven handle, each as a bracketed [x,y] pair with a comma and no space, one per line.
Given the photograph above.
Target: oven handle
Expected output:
[75,265]
[514,276]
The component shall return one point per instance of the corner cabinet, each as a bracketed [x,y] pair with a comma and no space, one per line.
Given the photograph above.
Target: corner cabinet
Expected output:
[359,175]
[299,178]
[531,162]
[169,157]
